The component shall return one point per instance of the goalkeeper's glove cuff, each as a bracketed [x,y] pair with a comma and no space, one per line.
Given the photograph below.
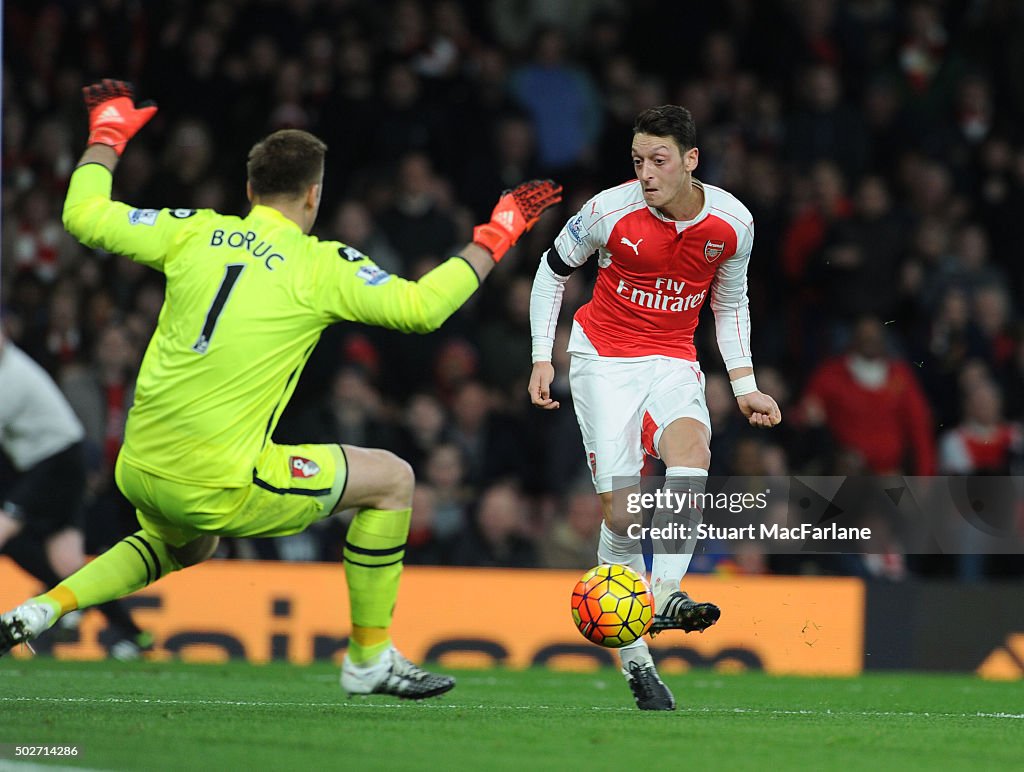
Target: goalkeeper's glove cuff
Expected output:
[494,239]
[106,135]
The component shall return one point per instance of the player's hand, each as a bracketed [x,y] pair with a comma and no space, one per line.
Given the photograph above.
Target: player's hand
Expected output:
[113,117]
[760,409]
[517,211]
[540,385]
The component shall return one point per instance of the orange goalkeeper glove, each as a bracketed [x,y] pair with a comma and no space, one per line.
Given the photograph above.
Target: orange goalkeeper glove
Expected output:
[517,211]
[113,117]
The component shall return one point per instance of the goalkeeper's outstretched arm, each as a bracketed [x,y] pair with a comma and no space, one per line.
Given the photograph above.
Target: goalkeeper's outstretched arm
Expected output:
[373,297]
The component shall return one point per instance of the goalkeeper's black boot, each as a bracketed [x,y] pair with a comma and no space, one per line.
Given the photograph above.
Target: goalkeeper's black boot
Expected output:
[680,612]
[648,690]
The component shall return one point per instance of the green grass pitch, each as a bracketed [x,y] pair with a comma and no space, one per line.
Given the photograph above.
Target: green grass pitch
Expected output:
[237,716]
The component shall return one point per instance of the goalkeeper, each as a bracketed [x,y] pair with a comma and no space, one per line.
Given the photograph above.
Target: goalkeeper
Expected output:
[246,301]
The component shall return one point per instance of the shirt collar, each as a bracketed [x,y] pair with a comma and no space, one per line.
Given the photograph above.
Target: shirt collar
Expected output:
[680,224]
[263,212]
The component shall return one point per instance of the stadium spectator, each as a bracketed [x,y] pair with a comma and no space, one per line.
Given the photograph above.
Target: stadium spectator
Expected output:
[354,225]
[571,540]
[446,473]
[500,534]
[505,342]
[827,128]
[859,263]
[424,547]
[993,312]
[984,442]
[37,241]
[406,122]
[1011,377]
[423,427]
[511,155]
[872,404]
[562,102]
[416,222]
[101,395]
[351,413]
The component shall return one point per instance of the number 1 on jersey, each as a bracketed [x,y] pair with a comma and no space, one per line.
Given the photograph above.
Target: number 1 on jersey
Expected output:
[231,273]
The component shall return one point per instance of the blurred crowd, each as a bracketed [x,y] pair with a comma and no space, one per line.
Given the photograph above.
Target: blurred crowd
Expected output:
[877,143]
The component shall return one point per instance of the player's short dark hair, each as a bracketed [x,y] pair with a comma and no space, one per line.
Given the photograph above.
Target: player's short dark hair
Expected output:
[286,162]
[668,121]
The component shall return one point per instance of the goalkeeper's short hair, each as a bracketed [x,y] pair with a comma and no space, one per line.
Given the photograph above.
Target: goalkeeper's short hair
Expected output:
[285,163]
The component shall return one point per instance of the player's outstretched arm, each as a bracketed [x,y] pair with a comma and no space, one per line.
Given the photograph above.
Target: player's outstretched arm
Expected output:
[113,120]
[516,212]
[759,408]
[424,305]
[90,214]
[540,385]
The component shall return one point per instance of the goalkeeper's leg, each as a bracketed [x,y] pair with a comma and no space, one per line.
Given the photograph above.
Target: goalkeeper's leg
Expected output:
[133,563]
[380,486]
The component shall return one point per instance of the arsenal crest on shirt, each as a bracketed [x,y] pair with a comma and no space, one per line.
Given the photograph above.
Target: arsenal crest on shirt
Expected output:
[713,250]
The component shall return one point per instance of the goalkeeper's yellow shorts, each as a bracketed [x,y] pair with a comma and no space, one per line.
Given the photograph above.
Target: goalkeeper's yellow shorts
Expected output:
[293,486]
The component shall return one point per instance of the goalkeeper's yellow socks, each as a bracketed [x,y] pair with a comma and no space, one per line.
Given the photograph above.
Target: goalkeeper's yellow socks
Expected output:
[374,550]
[133,563]
[367,643]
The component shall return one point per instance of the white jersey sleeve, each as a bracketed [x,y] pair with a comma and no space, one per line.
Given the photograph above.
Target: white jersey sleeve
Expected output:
[575,243]
[545,303]
[731,305]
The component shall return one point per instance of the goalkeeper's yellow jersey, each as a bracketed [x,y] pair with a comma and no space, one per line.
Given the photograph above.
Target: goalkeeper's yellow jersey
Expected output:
[246,301]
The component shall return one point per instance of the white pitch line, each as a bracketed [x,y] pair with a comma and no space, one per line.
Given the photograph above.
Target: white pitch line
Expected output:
[450,706]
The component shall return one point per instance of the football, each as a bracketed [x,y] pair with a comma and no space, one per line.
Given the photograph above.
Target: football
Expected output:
[612,605]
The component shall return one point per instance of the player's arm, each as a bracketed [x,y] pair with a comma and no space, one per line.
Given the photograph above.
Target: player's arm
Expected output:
[731,306]
[368,294]
[572,247]
[89,213]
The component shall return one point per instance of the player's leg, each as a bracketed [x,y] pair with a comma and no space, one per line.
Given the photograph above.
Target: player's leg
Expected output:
[606,406]
[47,499]
[679,432]
[133,563]
[380,486]
[65,552]
[615,545]
[296,485]
[607,401]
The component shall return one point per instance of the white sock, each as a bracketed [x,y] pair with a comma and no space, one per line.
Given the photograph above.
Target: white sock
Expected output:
[672,557]
[620,550]
[637,651]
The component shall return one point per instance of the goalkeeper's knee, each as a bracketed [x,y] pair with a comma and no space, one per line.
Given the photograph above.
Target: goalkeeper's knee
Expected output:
[196,551]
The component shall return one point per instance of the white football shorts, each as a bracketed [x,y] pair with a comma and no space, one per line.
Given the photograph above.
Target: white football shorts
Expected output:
[624,405]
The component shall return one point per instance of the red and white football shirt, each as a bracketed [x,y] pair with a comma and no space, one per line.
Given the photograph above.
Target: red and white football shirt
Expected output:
[654,276]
